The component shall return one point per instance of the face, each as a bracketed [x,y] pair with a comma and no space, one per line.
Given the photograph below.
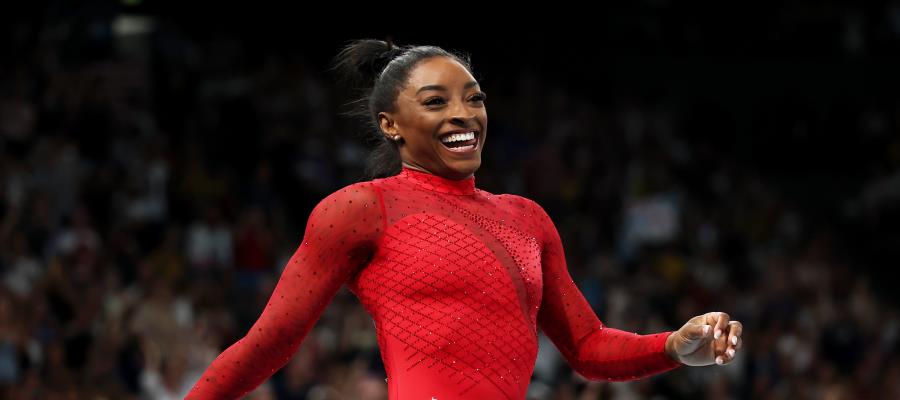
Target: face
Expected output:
[441,116]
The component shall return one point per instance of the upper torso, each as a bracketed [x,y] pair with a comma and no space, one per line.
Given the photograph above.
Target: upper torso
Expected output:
[453,286]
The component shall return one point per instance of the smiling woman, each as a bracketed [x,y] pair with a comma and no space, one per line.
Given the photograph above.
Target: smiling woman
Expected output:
[425,108]
[440,117]
[457,280]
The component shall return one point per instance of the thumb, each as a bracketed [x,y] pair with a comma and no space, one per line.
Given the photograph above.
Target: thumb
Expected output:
[696,331]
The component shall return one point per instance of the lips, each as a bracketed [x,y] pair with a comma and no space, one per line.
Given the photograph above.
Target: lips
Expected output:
[457,142]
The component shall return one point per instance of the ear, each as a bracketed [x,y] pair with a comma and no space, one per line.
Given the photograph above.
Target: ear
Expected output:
[388,124]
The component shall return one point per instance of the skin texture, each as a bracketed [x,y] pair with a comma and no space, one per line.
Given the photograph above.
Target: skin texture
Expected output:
[706,339]
[441,96]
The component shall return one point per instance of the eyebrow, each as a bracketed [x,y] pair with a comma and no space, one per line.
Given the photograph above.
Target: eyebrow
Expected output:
[468,85]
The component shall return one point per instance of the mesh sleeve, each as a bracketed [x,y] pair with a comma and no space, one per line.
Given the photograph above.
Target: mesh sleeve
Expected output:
[592,349]
[340,238]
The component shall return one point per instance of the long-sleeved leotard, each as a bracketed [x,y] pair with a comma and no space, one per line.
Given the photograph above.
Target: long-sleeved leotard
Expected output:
[457,281]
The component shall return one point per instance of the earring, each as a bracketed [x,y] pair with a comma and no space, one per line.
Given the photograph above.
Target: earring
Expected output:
[396,137]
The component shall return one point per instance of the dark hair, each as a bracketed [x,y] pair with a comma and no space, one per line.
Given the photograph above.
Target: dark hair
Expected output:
[382,69]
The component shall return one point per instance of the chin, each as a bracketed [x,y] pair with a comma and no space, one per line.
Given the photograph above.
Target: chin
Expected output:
[462,169]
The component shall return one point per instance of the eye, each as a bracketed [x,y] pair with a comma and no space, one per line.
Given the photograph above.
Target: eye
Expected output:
[434,101]
[478,97]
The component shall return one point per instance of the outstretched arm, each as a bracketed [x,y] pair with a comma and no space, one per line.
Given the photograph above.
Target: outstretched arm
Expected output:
[592,349]
[340,238]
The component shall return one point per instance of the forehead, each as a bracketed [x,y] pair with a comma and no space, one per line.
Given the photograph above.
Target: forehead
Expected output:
[443,71]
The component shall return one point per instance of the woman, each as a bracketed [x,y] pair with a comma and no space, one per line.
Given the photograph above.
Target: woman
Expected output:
[457,280]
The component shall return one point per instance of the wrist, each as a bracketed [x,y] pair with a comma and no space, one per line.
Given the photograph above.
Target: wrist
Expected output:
[670,347]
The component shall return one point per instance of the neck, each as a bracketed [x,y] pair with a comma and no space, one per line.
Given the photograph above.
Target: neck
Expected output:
[422,169]
[437,183]
[415,167]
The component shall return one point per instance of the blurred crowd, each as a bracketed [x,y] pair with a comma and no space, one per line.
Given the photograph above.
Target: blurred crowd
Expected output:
[154,181]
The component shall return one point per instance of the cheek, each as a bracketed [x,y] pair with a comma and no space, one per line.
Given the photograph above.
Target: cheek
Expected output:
[425,128]
[482,116]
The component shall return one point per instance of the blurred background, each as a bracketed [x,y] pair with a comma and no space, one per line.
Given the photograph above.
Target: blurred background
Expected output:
[158,163]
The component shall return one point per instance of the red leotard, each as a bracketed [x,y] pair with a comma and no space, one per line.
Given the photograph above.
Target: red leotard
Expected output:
[457,281]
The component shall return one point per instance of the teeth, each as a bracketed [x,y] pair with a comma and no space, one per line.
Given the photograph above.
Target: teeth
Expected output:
[456,137]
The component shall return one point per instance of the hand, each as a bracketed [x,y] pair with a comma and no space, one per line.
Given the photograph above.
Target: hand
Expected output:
[706,339]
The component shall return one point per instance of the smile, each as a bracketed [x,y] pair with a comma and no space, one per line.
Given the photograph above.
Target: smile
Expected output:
[460,141]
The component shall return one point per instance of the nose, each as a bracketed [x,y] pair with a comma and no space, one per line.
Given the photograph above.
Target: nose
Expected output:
[462,121]
[460,114]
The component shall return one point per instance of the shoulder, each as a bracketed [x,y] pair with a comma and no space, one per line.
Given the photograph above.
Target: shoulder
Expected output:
[530,216]
[521,202]
[355,208]
[366,195]
[365,189]
[347,219]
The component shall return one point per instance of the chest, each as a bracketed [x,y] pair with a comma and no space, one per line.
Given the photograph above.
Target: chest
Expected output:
[478,254]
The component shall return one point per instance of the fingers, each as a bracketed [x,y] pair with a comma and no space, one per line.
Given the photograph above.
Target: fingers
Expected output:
[735,329]
[720,337]
[721,325]
[698,331]
[715,333]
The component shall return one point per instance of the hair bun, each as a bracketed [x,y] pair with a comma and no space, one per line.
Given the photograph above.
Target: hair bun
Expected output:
[361,61]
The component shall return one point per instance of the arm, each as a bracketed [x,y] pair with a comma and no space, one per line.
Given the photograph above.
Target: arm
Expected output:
[340,237]
[592,349]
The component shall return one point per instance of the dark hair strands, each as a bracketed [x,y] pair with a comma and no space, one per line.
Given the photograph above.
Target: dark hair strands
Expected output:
[380,70]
